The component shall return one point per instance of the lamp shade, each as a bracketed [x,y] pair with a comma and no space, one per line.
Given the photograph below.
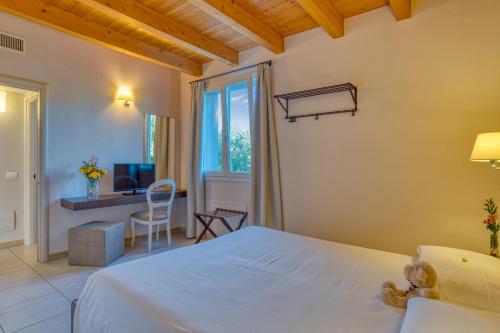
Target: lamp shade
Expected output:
[124,94]
[3,101]
[486,148]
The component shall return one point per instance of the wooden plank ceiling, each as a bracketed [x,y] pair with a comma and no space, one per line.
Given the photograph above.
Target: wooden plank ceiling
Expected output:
[183,34]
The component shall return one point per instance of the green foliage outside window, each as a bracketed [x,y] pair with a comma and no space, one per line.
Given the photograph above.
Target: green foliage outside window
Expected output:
[151,138]
[240,151]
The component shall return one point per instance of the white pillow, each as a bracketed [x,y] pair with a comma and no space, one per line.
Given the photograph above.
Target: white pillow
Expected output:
[433,316]
[465,277]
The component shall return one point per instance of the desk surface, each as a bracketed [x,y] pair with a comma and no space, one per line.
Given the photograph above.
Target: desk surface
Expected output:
[115,199]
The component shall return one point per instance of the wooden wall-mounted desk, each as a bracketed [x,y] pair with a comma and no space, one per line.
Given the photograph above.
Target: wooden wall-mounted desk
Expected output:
[115,199]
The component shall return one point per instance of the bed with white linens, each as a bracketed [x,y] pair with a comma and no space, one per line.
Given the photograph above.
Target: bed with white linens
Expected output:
[251,281]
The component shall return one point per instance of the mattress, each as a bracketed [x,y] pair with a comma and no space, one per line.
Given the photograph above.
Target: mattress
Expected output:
[253,280]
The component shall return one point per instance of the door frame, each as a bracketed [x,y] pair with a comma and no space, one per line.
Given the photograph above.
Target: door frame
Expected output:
[42,169]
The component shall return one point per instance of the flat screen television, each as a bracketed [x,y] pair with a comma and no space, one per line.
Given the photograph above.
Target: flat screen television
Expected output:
[133,177]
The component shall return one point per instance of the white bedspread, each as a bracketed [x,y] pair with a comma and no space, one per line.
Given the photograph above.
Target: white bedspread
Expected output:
[252,281]
[433,316]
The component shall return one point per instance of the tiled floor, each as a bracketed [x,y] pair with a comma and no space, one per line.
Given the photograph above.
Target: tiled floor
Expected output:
[36,297]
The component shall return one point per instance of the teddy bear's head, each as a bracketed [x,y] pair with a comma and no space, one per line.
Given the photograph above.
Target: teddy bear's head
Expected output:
[421,274]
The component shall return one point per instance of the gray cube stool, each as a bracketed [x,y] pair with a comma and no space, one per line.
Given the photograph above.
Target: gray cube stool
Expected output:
[96,243]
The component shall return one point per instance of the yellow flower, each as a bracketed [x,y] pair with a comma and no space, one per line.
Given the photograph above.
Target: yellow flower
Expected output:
[91,170]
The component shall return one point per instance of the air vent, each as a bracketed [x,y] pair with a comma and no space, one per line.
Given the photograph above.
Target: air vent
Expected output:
[12,43]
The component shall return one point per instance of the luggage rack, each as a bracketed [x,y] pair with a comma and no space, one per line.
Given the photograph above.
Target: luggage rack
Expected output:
[284,99]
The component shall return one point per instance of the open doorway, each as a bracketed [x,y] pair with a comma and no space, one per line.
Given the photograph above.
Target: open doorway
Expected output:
[18,148]
[23,195]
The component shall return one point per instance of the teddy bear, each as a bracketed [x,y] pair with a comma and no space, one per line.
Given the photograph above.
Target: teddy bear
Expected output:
[422,278]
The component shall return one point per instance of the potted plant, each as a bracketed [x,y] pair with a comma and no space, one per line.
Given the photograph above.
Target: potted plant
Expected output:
[492,225]
[93,173]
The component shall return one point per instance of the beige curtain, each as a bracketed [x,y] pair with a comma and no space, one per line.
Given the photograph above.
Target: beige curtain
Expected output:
[265,199]
[164,148]
[196,185]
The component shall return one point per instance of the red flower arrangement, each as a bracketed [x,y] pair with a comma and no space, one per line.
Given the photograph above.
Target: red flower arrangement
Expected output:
[492,225]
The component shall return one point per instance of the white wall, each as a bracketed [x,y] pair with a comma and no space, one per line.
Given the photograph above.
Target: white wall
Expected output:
[398,173]
[12,159]
[84,119]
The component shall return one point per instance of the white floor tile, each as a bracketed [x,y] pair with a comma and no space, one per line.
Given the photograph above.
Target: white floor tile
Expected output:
[24,292]
[57,267]
[35,297]
[73,292]
[15,278]
[58,324]
[31,312]
[70,279]
[6,255]
[26,253]
[13,265]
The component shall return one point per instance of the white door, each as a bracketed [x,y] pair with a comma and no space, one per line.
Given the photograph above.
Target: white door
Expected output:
[31,167]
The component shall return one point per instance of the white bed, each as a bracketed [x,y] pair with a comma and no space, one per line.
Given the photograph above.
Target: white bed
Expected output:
[255,280]
[432,316]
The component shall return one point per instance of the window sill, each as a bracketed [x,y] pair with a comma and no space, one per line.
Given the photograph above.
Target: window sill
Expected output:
[240,179]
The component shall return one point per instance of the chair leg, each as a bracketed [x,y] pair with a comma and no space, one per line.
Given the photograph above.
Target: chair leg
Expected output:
[158,233]
[150,236]
[132,226]
[169,237]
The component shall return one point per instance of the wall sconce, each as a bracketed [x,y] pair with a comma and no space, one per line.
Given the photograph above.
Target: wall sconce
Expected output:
[3,101]
[125,94]
[487,149]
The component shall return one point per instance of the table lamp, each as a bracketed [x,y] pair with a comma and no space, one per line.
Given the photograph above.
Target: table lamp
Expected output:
[487,149]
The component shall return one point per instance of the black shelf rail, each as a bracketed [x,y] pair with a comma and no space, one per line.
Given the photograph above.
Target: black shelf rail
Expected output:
[284,99]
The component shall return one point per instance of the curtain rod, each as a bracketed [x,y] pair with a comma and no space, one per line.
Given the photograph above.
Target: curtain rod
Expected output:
[233,71]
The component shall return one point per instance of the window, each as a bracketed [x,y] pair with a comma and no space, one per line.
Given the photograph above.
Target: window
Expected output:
[149,138]
[227,149]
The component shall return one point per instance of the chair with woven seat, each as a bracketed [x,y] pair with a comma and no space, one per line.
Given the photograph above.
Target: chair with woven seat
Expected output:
[158,212]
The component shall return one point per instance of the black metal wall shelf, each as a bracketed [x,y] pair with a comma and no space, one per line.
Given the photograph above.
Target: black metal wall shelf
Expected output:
[283,100]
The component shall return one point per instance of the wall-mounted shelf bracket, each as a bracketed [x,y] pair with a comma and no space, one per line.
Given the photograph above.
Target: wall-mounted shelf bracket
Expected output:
[284,99]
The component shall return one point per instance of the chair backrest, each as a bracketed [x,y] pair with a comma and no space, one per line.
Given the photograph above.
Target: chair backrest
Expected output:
[153,188]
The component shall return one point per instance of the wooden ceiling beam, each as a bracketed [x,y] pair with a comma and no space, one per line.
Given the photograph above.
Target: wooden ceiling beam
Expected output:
[401,9]
[43,13]
[163,26]
[325,14]
[239,19]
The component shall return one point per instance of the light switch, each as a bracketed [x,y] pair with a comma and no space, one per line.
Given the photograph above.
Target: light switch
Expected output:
[11,175]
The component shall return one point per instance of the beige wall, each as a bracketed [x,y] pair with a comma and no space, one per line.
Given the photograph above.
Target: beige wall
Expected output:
[397,174]
[12,159]
[83,117]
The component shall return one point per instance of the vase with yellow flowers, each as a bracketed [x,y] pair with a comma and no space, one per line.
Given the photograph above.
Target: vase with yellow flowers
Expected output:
[93,173]
[492,225]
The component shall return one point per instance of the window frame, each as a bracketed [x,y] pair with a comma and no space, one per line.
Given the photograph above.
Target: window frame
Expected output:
[220,85]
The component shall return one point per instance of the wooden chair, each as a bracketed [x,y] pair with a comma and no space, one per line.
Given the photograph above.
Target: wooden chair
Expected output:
[157,214]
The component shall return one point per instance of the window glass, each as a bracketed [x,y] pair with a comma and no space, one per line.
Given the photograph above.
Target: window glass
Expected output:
[212,132]
[238,115]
